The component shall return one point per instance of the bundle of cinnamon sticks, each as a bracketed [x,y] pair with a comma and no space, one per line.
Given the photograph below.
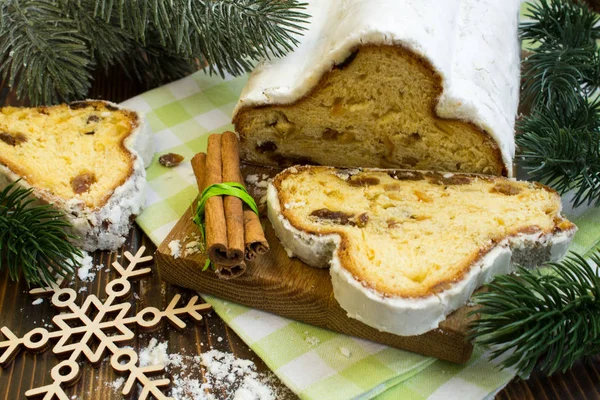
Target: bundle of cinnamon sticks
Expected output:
[233,231]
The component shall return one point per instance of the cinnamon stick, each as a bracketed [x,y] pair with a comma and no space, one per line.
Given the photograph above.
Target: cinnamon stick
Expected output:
[199,168]
[230,272]
[255,242]
[230,155]
[217,244]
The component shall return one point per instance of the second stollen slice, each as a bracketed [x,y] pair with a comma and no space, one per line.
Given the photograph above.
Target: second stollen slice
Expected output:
[406,248]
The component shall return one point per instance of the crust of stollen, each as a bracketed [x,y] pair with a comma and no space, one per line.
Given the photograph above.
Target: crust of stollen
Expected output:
[395,312]
[104,227]
[241,108]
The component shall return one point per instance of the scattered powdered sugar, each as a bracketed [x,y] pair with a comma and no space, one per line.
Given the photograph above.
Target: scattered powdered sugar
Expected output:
[252,178]
[84,272]
[37,301]
[175,247]
[117,383]
[238,377]
[262,184]
[193,377]
[154,354]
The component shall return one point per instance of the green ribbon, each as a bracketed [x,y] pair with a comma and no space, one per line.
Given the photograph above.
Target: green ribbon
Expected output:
[220,189]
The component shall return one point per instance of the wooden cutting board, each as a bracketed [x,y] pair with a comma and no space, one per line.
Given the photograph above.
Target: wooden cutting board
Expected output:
[289,288]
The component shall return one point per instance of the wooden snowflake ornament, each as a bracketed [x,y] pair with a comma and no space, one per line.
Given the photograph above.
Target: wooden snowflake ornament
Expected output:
[96,327]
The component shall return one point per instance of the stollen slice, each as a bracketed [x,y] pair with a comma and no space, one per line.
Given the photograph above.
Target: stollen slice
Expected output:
[86,158]
[406,248]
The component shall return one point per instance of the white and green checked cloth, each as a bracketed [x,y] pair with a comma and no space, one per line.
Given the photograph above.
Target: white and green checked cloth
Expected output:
[315,363]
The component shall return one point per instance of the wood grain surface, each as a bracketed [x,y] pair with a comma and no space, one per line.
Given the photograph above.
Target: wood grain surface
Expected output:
[28,370]
[287,287]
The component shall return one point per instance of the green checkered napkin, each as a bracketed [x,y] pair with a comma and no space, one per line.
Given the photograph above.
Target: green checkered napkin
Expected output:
[315,363]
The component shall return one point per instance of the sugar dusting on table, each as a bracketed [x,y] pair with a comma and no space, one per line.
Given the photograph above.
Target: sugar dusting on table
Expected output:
[175,247]
[224,373]
[86,265]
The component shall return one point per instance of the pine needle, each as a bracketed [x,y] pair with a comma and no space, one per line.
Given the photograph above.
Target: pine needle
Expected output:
[545,319]
[33,239]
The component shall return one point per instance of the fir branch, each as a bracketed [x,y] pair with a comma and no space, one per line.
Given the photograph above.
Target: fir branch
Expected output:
[229,35]
[562,149]
[105,40]
[559,75]
[540,319]
[571,24]
[42,53]
[49,47]
[153,65]
[564,60]
[33,238]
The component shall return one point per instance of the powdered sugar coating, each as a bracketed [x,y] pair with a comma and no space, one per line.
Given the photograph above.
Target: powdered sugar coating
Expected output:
[472,44]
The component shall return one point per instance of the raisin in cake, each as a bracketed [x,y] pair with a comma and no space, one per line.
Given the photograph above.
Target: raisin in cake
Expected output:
[390,83]
[86,158]
[406,248]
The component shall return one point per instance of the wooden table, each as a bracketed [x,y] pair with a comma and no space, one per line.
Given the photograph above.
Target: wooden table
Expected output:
[29,370]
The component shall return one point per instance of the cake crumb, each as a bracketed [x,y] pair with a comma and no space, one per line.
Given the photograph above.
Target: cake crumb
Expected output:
[345,352]
[175,247]
[311,340]
[219,339]
[253,178]
[192,247]
[37,301]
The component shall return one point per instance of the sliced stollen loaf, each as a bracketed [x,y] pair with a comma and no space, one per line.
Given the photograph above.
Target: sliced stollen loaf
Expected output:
[406,248]
[416,84]
[86,158]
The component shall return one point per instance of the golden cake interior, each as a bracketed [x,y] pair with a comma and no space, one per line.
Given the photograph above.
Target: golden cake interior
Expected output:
[377,109]
[411,233]
[70,151]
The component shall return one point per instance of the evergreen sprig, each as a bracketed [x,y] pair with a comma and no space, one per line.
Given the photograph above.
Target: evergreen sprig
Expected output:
[545,319]
[49,48]
[33,238]
[559,143]
[42,53]
[564,60]
[562,149]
